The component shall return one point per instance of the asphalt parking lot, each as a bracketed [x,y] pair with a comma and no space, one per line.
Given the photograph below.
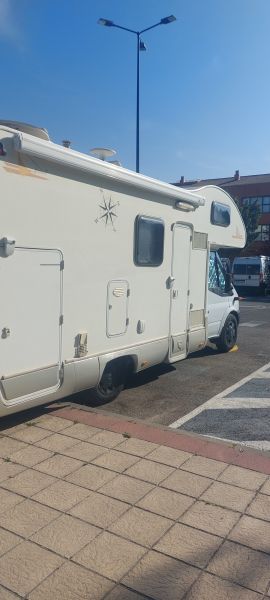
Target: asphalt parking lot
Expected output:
[165,393]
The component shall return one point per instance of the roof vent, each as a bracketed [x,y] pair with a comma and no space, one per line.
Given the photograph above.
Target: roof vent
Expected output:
[66,143]
[39,132]
[182,180]
[237,175]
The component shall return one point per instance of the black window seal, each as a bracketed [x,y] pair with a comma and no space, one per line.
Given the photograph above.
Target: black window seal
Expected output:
[135,245]
[214,203]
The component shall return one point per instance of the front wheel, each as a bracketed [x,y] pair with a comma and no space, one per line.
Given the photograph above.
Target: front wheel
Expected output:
[228,336]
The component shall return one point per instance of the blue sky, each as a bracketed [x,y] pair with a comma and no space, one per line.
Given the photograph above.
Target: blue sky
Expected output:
[205,87]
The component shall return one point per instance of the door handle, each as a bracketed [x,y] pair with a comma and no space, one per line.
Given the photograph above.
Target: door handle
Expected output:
[5,332]
[170,281]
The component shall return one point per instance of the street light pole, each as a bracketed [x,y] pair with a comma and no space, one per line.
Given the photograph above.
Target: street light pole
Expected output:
[138,107]
[140,47]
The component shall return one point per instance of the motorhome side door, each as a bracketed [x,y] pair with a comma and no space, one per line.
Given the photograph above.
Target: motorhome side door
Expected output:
[30,323]
[179,284]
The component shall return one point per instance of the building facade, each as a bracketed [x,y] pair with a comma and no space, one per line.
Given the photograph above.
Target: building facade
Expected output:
[247,190]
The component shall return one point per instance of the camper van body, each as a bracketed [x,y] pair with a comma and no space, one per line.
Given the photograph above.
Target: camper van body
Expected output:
[102,271]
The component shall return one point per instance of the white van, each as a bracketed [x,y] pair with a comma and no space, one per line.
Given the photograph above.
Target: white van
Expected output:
[103,271]
[251,272]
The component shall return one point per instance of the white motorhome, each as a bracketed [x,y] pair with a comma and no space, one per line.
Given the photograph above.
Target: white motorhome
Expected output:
[103,271]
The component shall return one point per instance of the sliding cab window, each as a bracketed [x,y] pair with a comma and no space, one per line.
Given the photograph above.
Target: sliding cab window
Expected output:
[149,241]
[216,277]
[220,214]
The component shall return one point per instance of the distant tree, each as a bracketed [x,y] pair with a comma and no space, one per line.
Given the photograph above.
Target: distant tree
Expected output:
[267,276]
[250,215]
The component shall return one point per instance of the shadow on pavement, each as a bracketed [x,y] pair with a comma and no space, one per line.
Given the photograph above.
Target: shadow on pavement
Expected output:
[28,415]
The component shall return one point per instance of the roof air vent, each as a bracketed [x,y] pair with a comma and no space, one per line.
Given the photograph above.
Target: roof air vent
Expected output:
[25,128]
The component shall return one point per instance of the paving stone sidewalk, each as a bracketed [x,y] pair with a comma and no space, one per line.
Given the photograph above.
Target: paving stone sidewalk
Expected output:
[93,507]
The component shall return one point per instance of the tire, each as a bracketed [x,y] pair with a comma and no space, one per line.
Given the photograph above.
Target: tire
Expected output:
[228,336]
[111,384]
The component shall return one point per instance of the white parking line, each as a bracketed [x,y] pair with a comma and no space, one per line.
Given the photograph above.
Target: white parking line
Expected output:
[258,444]
[234,403]
[250,324]
[217,400]
[260,307]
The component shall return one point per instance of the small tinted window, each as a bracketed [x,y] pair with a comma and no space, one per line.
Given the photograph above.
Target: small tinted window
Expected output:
[220,214]
[253,269]
[240,269]
[149,241]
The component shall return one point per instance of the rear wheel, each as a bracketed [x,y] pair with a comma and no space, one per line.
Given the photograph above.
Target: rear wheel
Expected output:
[228,336]
[112,382]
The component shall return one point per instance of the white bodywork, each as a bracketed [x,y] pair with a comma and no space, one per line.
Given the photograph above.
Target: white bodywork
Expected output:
[72,298]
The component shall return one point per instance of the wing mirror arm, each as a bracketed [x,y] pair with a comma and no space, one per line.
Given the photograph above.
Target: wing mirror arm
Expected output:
[228,283]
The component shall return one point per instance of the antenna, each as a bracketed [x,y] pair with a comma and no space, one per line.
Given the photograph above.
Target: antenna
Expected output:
[102,153]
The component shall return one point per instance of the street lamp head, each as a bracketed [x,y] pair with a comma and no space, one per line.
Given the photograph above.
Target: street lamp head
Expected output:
[106,22]
[167,20]
[143,47]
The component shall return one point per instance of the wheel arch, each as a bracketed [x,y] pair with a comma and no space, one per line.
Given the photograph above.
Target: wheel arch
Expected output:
[128,362]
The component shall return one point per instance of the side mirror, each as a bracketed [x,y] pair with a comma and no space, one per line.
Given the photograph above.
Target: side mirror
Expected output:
[228,283]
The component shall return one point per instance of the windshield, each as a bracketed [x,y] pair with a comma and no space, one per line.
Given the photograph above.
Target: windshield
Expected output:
[240,269]
[246,269]
[253,269]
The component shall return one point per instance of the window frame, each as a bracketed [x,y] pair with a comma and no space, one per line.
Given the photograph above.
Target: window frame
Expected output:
[219,291]
[136,240]
[213,207]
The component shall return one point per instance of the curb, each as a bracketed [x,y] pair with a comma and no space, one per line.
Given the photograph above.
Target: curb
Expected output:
[189,442]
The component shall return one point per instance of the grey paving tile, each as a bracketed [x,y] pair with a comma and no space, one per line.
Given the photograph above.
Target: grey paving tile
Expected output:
[99,510]
[25,566]
[208,587]
[141,526]
[28,482]
[252,532]
[9,469]
[8,540]
[72,582]
[242,565]
[188,544]
[27,517]
[110,555]
[161,577]
[65,536]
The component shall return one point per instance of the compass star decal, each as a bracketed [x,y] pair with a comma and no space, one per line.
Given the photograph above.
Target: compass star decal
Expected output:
[107,212]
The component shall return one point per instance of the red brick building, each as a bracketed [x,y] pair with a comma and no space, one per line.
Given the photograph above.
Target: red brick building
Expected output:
[246,190]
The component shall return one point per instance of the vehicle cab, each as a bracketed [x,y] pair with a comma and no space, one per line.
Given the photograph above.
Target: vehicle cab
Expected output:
[222,306]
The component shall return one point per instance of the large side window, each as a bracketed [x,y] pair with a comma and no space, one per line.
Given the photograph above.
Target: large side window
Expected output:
[220,214]
[149,241]
[216,277]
